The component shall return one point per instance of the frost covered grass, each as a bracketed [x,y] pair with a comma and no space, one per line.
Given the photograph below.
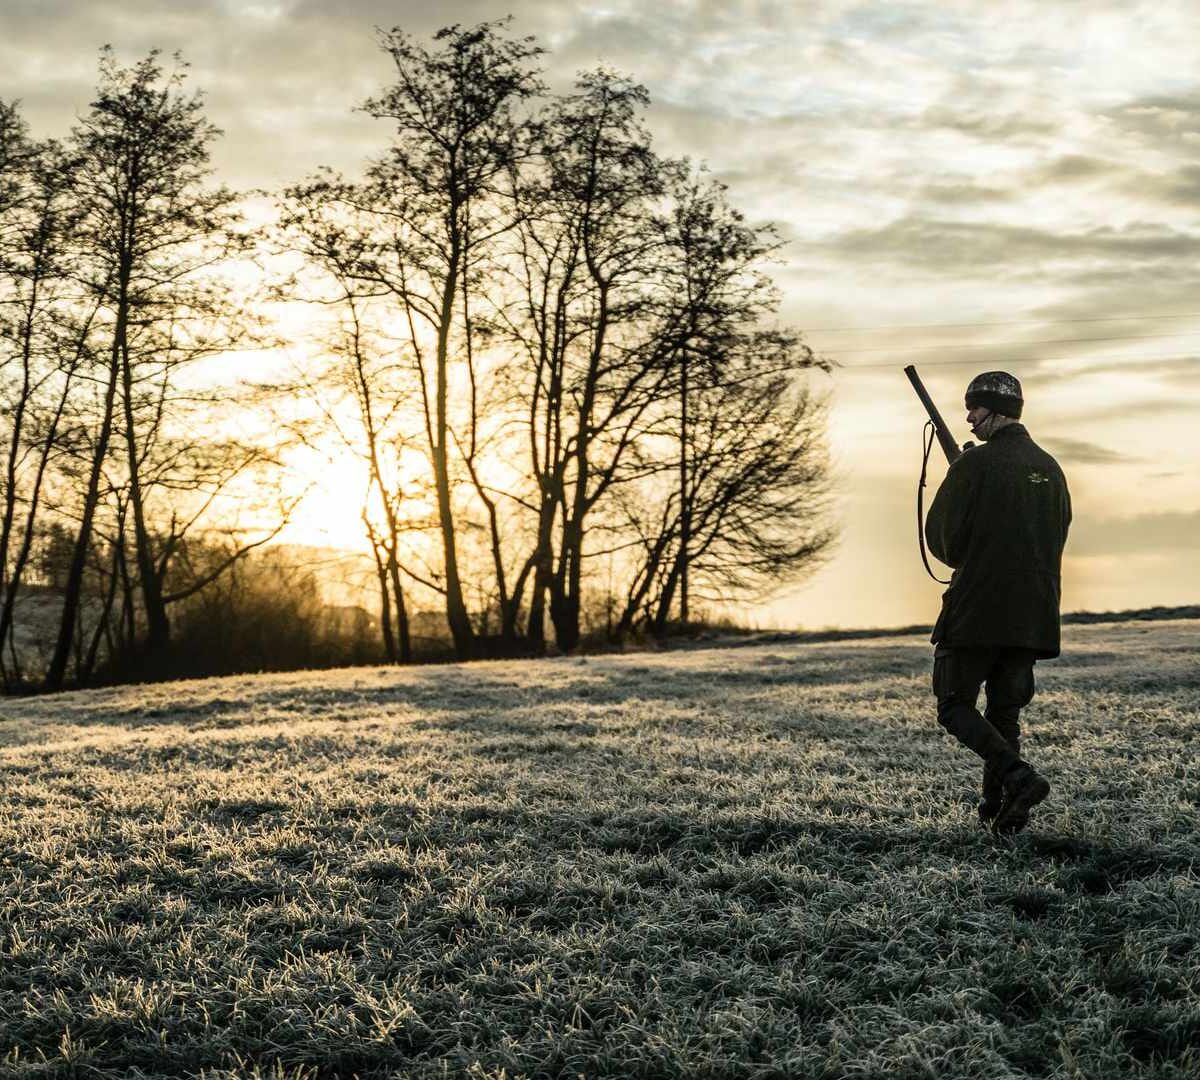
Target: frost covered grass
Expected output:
[750,862]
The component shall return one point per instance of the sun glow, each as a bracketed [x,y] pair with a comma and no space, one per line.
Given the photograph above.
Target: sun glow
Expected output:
[333,492]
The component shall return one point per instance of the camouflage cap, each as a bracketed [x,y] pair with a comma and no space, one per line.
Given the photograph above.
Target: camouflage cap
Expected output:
[998,391]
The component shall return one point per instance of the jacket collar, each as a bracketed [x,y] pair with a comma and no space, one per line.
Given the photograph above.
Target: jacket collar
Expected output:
[1015,431]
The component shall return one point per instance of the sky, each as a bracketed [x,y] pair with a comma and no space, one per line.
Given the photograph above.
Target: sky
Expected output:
[960,185]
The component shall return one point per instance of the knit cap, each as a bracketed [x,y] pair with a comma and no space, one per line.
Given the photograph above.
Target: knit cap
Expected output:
[998,391]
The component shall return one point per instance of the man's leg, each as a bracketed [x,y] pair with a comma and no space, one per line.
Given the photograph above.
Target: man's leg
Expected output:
[958,675]
[1010,687]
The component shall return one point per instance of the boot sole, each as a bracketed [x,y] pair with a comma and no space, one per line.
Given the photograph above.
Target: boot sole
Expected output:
[1015,816]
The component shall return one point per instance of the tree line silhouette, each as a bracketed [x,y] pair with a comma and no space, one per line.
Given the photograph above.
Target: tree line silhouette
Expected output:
[554,353]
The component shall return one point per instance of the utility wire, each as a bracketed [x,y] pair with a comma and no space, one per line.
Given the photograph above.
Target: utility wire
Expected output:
[1017,322]
[999,344]
[1021,360]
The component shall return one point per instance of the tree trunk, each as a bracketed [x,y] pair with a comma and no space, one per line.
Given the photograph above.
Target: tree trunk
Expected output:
[456,609]
[12,581]
[158,626]
[385,607]
[642,584]
[542,573]
[73,590]
[93,653]
[685,503]
[564,590]
[128,602]
[663,613]
[401,607]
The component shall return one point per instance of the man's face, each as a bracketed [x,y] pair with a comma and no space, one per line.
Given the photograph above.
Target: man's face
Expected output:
[976,416]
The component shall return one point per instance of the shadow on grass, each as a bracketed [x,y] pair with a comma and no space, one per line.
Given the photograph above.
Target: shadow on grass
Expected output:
[480,693]
[495,718]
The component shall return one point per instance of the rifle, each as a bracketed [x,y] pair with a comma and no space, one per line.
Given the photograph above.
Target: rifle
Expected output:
[949,448]
[945,439]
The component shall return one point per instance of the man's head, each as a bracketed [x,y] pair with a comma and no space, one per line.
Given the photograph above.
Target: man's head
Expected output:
[993,401]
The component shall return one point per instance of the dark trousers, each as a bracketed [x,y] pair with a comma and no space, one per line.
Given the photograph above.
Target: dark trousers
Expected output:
[1006,675]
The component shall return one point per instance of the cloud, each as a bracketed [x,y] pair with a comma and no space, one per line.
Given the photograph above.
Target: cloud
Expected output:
[964,193]
[1150,408]
[1073,168]
[939,245]
[281,78]
[1179,187]
[1174,531]
[1160,117]
[1168,368]
[985,124]
[1079,452]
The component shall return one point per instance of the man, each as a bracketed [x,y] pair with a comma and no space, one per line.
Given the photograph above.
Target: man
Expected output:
[1000,519]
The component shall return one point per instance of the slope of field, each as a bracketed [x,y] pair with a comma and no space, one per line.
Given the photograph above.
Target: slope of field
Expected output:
[756,862]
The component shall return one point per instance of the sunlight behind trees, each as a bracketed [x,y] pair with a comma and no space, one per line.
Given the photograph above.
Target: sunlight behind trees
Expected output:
[523,367]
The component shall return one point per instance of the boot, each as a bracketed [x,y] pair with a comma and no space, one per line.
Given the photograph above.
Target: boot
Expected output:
[993,797]
[992,801]
[1024,788]
[970,728]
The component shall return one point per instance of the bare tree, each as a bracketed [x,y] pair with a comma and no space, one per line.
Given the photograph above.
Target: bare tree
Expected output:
[152,234]
[754,501]
[437,207]
[361,392]
[728,366]
[45,326]
[604,295]
[595,342]
[16,150]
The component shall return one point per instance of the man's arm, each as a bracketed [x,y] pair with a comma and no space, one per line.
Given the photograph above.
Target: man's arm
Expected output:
[948,524]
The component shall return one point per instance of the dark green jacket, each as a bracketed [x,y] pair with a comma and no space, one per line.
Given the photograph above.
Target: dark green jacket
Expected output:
[1000,519]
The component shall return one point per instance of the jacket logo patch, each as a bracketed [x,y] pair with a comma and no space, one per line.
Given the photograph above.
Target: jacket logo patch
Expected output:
[1038,478]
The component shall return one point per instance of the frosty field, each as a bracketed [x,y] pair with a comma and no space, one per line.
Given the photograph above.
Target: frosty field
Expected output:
[744,862]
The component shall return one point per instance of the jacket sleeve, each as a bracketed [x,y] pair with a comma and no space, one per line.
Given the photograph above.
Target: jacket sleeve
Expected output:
[948,523]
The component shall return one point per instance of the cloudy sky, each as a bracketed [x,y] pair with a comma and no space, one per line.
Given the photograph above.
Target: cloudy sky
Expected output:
[962,185]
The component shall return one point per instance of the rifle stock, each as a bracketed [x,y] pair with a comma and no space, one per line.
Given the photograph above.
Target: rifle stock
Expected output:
[949,447]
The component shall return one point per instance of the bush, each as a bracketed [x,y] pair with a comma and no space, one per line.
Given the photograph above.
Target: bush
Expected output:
[265,614]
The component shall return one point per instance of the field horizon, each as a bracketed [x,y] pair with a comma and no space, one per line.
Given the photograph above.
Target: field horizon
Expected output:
[751,862]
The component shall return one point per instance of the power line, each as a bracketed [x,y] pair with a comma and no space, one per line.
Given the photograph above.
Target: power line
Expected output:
[1012,361]
[1000,344]
[1017,322]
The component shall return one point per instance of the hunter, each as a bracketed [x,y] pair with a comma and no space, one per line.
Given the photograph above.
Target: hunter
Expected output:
[1000,520]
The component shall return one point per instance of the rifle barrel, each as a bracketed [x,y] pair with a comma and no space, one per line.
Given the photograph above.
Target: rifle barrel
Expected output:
[949,447]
